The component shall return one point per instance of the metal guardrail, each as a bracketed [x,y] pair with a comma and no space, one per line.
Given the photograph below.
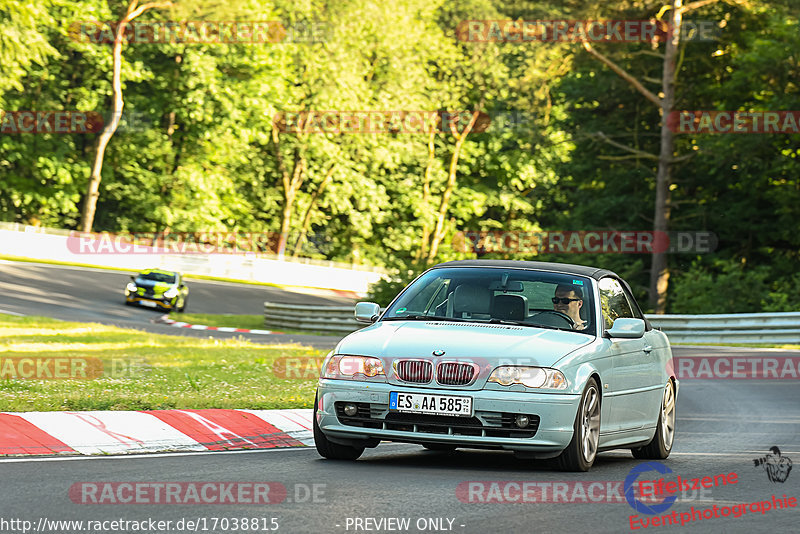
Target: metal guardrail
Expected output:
[333,319]
[759,328]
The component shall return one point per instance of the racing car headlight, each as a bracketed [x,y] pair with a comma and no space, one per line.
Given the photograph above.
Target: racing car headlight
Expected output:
[131,287]
[354,367]
[171,293]
[532,377]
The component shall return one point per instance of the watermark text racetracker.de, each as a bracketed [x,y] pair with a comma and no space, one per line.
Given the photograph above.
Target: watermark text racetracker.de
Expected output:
[760,367]
[206,493]
[201,32]
[138,243]
[737,122]
[381,122]
[55,122]
[583,242]
[70,368]
[566,492]
[40,122]
[604,31]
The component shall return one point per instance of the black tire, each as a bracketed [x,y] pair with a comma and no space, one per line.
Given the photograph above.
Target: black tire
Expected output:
[183,306]
[659,447]
[572,458]
[441,447]
[328,449]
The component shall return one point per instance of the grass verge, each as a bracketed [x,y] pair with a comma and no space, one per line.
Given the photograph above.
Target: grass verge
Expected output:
[144,371]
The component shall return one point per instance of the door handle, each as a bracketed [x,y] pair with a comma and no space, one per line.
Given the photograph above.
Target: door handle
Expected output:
[648,348]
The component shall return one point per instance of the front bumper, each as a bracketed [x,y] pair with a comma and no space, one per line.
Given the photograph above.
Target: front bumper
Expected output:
[492,409]
[160,301]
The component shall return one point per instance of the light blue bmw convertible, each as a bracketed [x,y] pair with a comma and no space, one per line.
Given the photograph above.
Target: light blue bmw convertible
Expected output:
[543,359]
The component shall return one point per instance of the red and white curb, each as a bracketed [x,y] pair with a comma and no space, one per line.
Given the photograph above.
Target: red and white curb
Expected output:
[109,432]
[180,324]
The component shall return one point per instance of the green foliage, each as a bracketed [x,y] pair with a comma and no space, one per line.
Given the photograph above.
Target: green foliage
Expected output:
[734,287]
[199,155]
[386,289]
[727,285]
[22,44]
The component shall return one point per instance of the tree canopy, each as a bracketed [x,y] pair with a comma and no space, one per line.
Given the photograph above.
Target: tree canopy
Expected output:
[560,139]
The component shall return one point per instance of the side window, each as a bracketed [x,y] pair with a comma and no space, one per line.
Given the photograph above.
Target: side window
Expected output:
[613,301]
[632,302]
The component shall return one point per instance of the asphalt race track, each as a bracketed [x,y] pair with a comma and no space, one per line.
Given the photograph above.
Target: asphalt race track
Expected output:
[96,295]
[722,427]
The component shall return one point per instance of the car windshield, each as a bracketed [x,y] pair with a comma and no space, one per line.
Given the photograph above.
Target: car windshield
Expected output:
[157,277]
[512,296]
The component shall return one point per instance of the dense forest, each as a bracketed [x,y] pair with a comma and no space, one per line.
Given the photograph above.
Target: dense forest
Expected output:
[484,131]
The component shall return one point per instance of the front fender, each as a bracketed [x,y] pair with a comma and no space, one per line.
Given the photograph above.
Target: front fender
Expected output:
[582,374]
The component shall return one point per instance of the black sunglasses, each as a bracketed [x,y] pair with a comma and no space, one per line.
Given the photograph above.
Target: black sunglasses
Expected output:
[564,300]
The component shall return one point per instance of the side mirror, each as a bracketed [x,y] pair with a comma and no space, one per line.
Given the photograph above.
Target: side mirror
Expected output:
[626,327]
[367,312]
[133,277]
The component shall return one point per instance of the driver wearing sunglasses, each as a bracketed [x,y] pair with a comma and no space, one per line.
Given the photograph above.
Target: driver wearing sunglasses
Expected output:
[568,300]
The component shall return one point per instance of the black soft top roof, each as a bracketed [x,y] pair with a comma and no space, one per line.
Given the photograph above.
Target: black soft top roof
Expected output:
[566,268]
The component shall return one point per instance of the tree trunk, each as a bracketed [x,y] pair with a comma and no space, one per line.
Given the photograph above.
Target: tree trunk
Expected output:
[438,232]
[93,188]
[291,184]
[659,271]
[426,193]
[290,189]
[307,218]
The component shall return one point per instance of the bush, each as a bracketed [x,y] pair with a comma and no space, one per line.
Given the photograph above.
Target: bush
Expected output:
[386,289]
[729,286]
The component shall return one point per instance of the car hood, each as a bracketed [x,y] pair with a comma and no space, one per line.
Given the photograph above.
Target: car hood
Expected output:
[418,339]
[158,287]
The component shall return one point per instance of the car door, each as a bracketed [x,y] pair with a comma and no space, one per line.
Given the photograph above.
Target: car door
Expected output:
[627,389]
[656,357]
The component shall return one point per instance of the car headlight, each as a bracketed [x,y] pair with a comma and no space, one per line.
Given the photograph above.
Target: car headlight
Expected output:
[532,377]
[352,367]
[131,287]
[171,293]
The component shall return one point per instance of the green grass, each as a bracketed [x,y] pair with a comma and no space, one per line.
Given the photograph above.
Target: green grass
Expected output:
[163,371]
[252,322]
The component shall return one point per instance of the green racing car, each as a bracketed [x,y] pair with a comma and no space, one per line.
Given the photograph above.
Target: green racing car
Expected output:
[155,288]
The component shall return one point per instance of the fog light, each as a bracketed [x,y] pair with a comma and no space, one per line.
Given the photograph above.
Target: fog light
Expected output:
[523,421]
[350,410]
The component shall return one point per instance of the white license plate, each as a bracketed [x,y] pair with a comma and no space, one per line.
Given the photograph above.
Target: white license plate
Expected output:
[430,404]
[148,303]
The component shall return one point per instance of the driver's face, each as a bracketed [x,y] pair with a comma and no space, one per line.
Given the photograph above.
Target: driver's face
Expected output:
[573,308]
